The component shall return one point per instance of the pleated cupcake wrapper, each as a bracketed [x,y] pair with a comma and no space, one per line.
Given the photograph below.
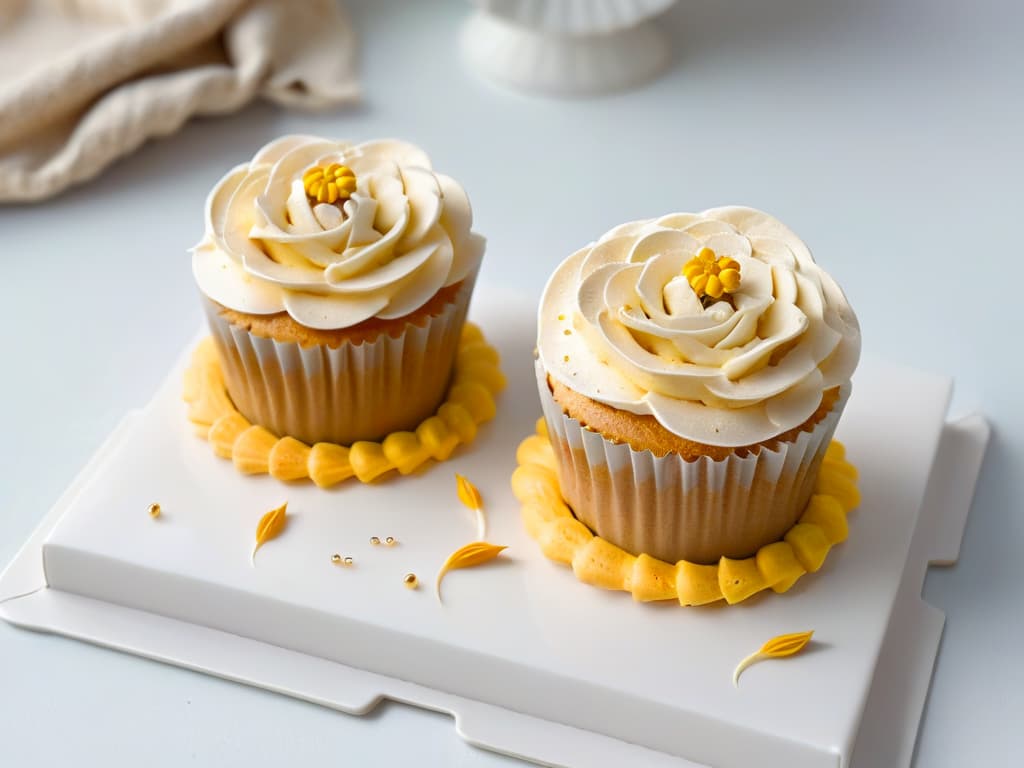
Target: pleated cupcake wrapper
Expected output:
[675,509]
[344,394]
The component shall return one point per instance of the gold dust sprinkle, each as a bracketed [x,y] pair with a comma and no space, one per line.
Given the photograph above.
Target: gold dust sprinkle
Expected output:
[777,648]
[154,510]
[375,540]
[567,332]
[474,553]
[561,317]
[270,527]
[390,541]
[410,581]
[565,359]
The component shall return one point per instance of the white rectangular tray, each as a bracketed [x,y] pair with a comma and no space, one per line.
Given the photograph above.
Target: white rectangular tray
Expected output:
[529,661]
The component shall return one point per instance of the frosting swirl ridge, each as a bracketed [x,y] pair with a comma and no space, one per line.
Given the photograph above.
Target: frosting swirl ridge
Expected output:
[621,323]
[381,250]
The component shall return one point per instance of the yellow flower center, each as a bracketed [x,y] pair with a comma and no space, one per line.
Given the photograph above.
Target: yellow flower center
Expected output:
[712,276]
[330,183]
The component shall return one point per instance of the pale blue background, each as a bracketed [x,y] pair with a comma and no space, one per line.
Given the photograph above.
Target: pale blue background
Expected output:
[887,133]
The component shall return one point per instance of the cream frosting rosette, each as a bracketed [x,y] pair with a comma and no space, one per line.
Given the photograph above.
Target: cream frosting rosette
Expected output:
[620,323]
[402,235]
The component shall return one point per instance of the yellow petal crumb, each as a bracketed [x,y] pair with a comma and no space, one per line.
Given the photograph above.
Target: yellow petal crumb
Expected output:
[474,553]
[467,493]
[777,648]
[270,527]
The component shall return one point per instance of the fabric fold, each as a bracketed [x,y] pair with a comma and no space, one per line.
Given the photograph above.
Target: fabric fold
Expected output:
[84,82]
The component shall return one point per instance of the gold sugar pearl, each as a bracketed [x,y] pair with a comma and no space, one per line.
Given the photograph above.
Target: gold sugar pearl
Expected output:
[390,541]
[336,558]
[410,581]
[348,561]
[154,510]
[375,540]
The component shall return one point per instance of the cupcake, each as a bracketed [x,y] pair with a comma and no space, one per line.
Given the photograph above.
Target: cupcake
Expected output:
[336,278]
[692,370]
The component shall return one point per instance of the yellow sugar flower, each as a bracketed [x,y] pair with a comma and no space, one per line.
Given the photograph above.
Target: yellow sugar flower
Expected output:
[711,275]
[328,184]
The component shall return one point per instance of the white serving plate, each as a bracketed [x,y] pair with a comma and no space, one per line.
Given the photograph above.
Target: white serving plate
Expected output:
[530,662]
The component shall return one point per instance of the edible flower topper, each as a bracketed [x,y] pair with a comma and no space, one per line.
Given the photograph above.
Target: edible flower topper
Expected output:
[329,184]
[712,276]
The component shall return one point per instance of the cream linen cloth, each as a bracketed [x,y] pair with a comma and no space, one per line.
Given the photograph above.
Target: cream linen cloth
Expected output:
[83,82]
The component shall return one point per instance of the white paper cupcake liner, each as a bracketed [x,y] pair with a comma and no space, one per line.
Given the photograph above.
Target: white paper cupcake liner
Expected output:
[342,394]
[674,509]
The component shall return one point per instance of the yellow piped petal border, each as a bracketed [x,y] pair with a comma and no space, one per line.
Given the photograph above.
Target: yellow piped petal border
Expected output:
[778,566]
[476,382]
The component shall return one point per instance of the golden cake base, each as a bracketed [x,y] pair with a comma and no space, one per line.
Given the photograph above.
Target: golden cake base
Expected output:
[253,449]
[778,566]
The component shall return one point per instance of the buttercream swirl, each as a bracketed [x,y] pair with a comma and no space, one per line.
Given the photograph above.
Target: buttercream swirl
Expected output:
[404,234]
[620,323]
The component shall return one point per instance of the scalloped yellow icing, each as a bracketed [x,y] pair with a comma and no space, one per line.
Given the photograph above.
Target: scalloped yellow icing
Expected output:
[777,566]
[255,450]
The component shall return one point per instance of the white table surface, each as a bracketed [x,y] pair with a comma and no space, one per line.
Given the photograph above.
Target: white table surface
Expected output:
[886,133]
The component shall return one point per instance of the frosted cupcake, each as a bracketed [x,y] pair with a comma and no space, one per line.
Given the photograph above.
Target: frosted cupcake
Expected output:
[692,370]
[336,279]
